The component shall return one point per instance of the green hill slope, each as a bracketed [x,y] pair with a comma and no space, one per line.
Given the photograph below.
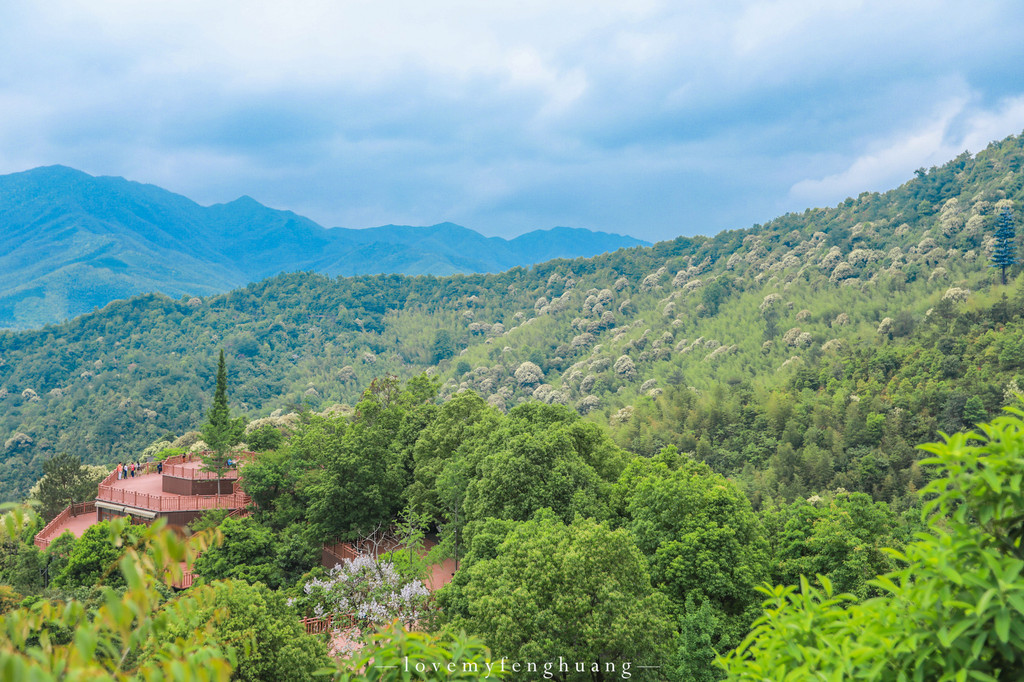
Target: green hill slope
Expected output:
[819,342]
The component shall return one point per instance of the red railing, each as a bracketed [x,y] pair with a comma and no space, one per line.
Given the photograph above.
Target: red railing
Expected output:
[46,535]
[173,461]
[195,474]
[168,502]
[241,512]
[187,578]
[339,551]
[336,552]
[109,480]
[314,626]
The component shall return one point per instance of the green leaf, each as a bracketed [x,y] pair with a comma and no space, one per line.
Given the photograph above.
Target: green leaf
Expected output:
[1003,625]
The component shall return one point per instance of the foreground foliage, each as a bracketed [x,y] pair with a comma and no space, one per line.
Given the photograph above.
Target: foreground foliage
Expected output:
[955,611]
[214,632]
[258,628]
[66,639]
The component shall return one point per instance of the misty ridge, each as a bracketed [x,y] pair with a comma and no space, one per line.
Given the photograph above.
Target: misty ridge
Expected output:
[71,242]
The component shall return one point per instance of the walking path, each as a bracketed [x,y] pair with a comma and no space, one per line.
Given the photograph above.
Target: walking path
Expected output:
[77,524]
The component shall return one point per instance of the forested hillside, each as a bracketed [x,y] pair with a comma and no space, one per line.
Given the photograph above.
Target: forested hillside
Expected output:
[805,354]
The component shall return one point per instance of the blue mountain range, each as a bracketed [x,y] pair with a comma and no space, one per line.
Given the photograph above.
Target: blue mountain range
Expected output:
[71,242]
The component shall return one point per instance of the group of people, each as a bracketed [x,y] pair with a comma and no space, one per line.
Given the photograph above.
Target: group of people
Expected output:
[129,469]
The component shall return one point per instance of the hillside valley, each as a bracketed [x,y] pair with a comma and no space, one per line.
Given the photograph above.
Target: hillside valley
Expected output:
[821,338]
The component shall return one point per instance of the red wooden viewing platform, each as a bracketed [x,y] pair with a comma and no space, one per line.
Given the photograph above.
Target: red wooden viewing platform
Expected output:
[144,493]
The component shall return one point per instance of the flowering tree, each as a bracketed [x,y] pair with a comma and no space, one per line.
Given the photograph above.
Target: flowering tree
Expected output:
[370,591]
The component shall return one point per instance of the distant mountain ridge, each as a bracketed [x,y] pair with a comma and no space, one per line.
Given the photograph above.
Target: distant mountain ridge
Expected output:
[70,242]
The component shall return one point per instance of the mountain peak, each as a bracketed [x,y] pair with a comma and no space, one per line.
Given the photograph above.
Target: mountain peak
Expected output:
[245,201]
[55,171]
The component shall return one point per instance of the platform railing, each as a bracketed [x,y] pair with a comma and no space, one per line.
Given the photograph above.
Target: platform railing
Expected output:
[174,463]
[187,578]
[167,502]
[314,626]
[196,474]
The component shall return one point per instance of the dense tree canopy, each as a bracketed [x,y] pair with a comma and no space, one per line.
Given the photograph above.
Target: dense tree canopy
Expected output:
[256,625]
[843,538]
[874,276]
[255,553]
[581,590]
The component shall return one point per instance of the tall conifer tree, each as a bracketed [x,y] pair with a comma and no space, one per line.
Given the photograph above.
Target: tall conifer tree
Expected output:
[219,431]
[1005,254]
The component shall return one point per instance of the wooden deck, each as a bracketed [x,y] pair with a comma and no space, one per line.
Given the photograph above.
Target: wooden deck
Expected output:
[145,491]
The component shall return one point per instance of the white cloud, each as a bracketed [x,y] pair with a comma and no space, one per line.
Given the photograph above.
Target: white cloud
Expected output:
[763,25]
[955,127]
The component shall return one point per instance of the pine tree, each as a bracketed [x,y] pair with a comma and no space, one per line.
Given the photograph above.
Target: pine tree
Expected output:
[1005,251]
[219,430]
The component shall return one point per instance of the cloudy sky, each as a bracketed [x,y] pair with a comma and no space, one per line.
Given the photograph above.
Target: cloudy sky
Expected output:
[644,117]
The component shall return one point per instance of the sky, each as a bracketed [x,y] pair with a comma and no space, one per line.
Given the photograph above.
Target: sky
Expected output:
[653,119]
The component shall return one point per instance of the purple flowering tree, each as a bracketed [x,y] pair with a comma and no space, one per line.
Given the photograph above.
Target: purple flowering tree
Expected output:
[369,591]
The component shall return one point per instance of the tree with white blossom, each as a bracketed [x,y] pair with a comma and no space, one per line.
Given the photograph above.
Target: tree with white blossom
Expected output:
[370,591]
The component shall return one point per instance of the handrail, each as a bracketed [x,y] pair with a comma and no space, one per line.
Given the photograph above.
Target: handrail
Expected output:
[111,477]
[187,578]
[150,467]
[192,473]
[341,551]
[169,503]
[314,625]
[240,513]
[44,537]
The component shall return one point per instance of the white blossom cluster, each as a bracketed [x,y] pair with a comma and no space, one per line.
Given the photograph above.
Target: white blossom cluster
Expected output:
[369,590]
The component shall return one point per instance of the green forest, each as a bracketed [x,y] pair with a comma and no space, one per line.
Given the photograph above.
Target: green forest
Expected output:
[789,452]
[569,548]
